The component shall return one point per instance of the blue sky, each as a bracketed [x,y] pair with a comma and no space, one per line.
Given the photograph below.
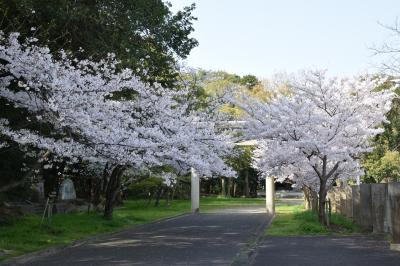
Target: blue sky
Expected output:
[265,36]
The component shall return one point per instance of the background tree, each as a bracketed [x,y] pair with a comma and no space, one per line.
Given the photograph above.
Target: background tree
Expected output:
[316,134]
[152,129]
[382,164]
[249,81]
[145,36]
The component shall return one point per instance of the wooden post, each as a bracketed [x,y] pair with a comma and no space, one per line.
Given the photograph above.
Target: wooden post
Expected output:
[195,190]
[270,194]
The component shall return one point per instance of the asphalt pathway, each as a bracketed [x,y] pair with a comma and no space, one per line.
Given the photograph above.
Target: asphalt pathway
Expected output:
[198,239]
[326,251]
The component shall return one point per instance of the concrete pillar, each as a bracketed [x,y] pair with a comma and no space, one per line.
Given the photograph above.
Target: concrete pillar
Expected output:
[366,207]
[195,190]
[378,193]
[394,203]
[270,195]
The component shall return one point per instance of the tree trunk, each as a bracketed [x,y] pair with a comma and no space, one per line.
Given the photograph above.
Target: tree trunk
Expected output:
[90,193]
[229,192]
[321,203]
[167,194]
[113,187]
[150,194]
[234,188]
[160,192]
[223,190]
[310,199]
[307,198]
[173,191]
[324,176]
[246,183]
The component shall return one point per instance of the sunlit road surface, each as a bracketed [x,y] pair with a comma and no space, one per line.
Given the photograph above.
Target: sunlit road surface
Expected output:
[213,238]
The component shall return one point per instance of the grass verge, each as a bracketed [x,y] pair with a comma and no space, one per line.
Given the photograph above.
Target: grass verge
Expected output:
[293,220]
[26,235]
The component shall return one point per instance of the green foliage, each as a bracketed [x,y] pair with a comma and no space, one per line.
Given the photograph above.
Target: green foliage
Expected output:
[144,34]
[249,81]
[382,166]
[383,163]
[244,159]
[144,188]
[204,84]
[293,220]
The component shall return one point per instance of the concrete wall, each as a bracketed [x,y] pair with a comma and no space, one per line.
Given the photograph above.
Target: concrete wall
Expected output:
[331,198]
[349,202]
[376,207]
[355,192]
[378,195]
[388,216]
[366,207]
[394,204]
[341,201]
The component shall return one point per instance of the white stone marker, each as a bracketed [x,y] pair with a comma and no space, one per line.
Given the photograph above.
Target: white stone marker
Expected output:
[270,194]
[195,190]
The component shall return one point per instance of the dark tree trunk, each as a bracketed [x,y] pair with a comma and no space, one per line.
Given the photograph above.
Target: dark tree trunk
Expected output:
[173,191]
[230,183]
[149,199]
[323,178]
[167,195]
[321,203]
[90,193]
[246,184]
[113,188]
[160,192]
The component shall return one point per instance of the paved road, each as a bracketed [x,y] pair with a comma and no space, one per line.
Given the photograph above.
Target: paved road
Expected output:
[326,251]
[199,239]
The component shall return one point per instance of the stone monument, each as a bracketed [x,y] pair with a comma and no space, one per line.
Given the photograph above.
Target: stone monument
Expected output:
[67,190]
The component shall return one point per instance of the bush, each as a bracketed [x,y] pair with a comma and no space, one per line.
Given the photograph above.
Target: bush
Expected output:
[144,188]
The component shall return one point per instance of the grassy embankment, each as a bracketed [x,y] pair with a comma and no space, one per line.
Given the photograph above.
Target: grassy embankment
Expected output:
[26,235]
[293,220]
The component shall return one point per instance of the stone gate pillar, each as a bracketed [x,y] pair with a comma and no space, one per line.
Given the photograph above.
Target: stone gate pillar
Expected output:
[195,190]
[270,194]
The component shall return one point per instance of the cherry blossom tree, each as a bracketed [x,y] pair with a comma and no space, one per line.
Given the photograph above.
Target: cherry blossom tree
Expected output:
[314,133]
[103,115]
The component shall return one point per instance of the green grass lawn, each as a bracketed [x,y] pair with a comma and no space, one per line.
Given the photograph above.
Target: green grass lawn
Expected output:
[293,220]
[26,235]
[208,203]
